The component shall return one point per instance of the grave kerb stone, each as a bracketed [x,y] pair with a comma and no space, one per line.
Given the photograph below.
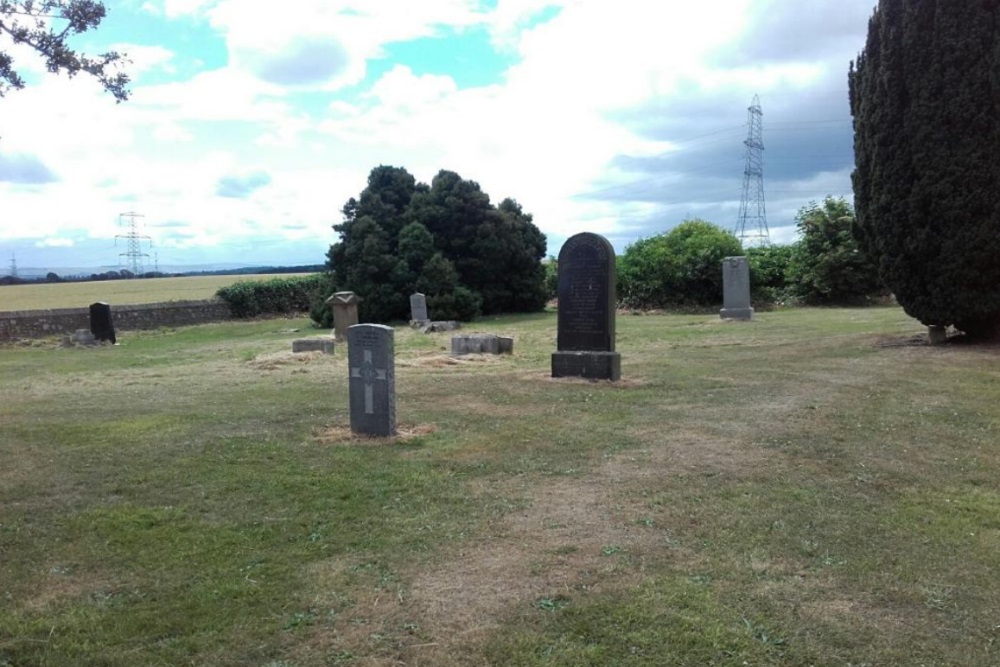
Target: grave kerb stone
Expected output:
[324,345]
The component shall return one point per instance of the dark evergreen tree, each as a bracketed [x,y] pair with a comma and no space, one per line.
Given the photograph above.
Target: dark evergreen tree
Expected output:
[446,240]
[925,96]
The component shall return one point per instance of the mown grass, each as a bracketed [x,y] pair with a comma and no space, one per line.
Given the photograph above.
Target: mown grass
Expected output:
[815,487]
[42,296]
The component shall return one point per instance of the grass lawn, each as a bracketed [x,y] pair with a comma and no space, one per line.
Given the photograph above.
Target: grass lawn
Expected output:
[814,487]
[40,296]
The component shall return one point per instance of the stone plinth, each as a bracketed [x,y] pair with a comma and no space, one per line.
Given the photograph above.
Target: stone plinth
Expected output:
[587,364]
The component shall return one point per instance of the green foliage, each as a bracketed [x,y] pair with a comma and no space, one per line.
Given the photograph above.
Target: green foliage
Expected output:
[320,313]
[273,297]
[551,278]
[924,96]
[827,266]
[46,26]
[680,268]
[446,240]
[768,272]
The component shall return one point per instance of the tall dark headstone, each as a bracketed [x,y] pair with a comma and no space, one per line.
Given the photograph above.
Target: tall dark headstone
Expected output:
[585,339]
[101,324]
[372,381]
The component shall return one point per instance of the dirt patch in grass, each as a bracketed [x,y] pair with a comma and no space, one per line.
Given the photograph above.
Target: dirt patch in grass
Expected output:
[445,361]
[342,435]
[279,360]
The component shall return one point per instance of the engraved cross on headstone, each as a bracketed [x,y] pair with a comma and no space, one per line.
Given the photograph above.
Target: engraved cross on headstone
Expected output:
[369,374]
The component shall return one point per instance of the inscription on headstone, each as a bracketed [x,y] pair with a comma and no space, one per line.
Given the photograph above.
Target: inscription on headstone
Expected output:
[345,313]
[736,289]
[585,338]
[372,381]
[418,308]
[101,324]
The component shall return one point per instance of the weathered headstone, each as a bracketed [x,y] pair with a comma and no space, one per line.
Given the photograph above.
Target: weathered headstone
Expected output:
[418,308]
[736,289]
[481,344]
[345,313]
[372,381]
[324,345]
[101,324]
[587,299]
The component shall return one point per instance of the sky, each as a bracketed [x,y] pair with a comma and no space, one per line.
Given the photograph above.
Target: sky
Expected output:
[251,123]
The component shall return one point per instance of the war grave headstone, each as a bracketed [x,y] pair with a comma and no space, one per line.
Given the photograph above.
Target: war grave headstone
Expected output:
[736,289]
[585,339]
[345,313]
[101,323]
[418,309]
[372,380]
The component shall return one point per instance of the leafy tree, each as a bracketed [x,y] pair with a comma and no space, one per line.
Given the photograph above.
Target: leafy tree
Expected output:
[827,265]
[47,26]
[445,240]
[769,272]
[925,96]
[682,267]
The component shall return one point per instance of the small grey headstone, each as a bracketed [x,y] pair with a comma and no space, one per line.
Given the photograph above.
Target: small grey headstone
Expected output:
[418,308]
[345,313]
[83,337]
[101,324]
[736,289]
[372,379]
[324,345]
[937,334]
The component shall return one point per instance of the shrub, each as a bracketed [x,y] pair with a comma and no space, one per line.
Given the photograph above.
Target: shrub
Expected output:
[680,268]
[278,296]
[769,272]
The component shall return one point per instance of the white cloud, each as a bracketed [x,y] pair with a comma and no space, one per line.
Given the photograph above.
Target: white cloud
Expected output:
[55,242]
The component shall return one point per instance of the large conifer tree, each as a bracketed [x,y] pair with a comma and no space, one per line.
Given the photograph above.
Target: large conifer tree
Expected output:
[925,96]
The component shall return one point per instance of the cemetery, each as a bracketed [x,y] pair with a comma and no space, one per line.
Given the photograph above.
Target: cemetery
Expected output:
[802,484]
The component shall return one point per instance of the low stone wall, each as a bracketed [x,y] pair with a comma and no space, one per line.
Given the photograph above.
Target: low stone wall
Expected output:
[60,321]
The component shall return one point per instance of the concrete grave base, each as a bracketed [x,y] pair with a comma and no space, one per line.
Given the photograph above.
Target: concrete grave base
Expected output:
[590,365]
[324,345]
[481,344]
[736,313]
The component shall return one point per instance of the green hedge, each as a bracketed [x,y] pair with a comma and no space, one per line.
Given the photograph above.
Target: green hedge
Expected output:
[278,296]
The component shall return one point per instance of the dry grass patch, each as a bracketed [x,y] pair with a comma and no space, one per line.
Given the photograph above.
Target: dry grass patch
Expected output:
[342,435]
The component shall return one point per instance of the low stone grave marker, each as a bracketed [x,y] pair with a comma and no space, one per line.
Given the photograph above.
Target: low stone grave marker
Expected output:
[372,380]
[324,345]
[481,344]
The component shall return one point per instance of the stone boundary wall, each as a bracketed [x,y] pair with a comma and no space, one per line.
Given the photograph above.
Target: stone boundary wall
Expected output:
[61,321]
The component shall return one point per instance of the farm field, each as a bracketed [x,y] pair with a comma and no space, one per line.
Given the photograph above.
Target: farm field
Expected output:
[40,296]
[814,487]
